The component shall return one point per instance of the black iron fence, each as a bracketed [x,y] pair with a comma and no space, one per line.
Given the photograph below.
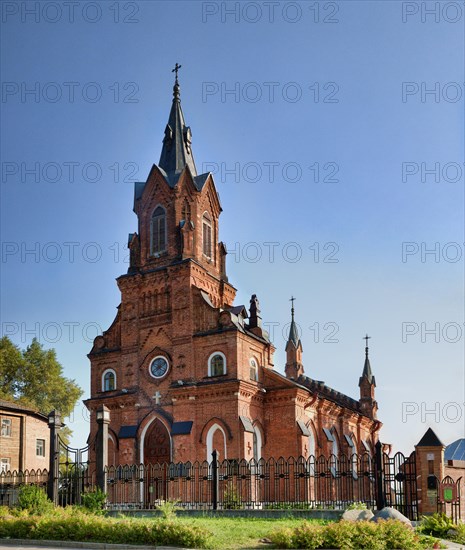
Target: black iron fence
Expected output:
[298,483]
[321,482]
[10,483]
[448,501]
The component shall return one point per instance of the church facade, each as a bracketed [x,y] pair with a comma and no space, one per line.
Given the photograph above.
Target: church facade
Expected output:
[183,369]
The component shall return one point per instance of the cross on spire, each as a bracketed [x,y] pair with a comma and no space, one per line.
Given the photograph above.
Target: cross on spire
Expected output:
[292,307]
[175,70]
[366,338]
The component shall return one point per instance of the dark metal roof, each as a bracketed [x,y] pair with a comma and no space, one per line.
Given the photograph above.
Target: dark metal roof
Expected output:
[182,428]
[125,432]
[430,439]
[303,427]
[248,427]
[176,152]
[326,392]
[238,310]
[293,332]
[349,440]
[455,451]
[328,434]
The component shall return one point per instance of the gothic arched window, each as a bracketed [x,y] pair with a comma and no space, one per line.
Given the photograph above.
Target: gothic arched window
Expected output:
[253,370]
[257,443]
[108,380]
[207,235]
[216,364]
[186,211]
[158,231]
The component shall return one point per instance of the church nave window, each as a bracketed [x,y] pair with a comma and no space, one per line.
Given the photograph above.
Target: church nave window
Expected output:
[109,380]
[207,235]
[186,211]
[253,370]
[217,364]
[158,231]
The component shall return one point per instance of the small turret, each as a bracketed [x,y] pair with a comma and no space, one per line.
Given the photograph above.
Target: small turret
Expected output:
[294,367]
[367,385]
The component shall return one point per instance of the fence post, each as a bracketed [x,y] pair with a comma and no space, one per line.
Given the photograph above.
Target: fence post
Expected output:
[101,446]
[54,423]
[215,479]
[379,471]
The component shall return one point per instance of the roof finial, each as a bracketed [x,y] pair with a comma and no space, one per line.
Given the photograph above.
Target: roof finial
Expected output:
[176,82]
[366,338]
[292,307]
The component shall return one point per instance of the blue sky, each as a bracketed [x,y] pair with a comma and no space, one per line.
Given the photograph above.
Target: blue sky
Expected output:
[330,115]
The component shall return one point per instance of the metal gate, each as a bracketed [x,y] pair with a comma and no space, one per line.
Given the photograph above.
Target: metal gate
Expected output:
[72,473]
[396,479]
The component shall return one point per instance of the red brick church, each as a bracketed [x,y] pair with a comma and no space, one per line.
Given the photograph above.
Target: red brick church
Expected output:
[182,369]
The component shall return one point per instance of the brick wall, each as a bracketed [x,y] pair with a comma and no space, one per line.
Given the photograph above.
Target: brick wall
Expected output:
[20,446]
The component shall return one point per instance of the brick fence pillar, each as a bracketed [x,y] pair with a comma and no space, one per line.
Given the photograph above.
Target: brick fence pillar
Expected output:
[101,446]
[429,456]
[54,423]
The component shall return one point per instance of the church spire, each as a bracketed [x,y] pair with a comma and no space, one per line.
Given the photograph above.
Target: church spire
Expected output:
[176,152]
[367,386]
[294,367]
[293,333]
[367,367]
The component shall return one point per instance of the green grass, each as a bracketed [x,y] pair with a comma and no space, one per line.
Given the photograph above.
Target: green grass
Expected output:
[242,533]
[217,533]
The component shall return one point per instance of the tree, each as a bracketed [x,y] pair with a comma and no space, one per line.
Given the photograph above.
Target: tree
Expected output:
[34,377]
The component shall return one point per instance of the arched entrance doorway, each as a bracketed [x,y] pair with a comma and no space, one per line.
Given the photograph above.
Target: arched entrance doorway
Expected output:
[157,455]
[157,444]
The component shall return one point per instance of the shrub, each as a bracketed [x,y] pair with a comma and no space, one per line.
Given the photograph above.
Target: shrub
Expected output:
[34,500]
[74,525]
[459,535]
[308,535]
[94,501]
[168,509]
[357,506]
[436,525]
[231,498]
[347,535]
[4,512]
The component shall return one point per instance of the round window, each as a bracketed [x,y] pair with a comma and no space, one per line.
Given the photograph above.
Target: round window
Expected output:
[158,367]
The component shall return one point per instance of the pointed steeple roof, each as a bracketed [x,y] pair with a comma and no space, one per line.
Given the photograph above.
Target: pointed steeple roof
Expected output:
[367,372]
[293,332]
[176,152]
[430,439]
